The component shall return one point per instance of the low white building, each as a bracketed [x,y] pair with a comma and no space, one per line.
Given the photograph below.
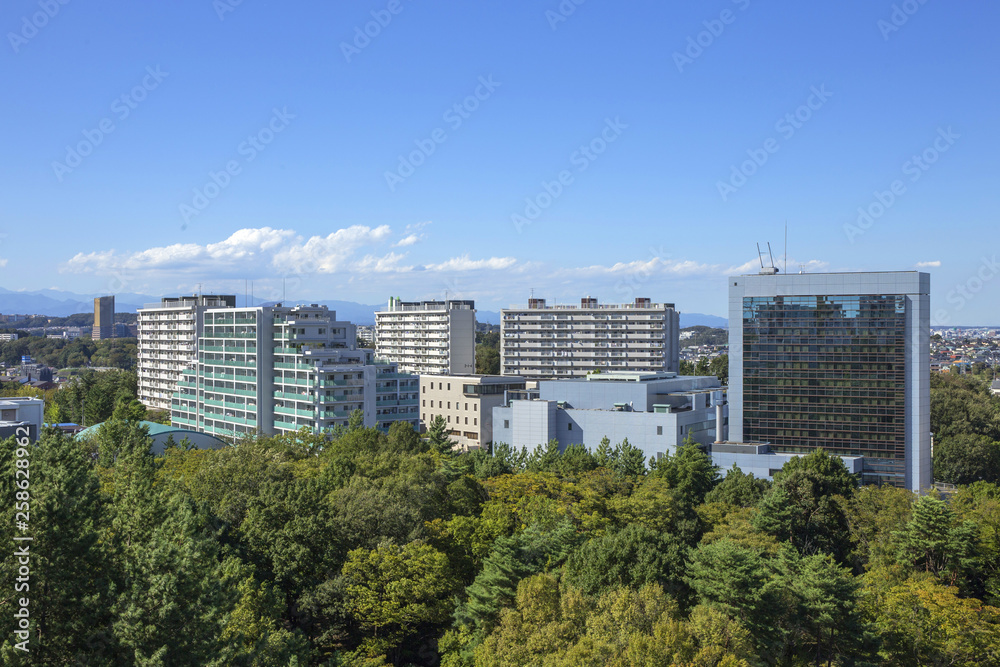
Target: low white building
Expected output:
[19,412]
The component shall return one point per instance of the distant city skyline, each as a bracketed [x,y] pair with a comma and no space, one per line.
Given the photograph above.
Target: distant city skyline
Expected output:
[354,152]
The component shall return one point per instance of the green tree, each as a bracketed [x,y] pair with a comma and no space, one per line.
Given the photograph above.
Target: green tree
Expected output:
[935,541]
[395,591]
[806,505]
[964,458]
[69,589]
[739,489]
[437,436]
[631,557]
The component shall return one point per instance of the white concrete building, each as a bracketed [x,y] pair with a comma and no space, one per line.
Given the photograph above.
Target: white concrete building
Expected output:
[543,341]
[167,343]
[428,337]
[19,414]
[466,402]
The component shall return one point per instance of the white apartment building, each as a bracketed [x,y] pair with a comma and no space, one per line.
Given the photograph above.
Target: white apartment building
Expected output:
[428,337]
[543,341]
[167,343]
[277,369]
[466,402]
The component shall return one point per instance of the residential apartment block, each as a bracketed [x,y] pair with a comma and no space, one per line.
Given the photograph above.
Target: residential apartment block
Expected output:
[466,402]
[543,341]
[428,337]
[839,361]
[277,369]
[167,343]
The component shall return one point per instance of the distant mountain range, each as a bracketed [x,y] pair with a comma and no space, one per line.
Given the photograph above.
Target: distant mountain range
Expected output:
[57,303]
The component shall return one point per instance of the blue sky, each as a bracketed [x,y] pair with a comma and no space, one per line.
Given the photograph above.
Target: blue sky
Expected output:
[606,149]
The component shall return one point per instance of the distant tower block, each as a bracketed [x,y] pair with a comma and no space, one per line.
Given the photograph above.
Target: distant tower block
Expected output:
[104,318]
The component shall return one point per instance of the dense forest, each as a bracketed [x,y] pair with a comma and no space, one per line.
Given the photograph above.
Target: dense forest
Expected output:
[61,353]
[375,549]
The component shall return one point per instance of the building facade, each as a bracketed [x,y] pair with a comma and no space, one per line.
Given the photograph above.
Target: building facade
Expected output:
[838,361]
[428,337]
[167,343]
[466,402]
[656,412]
[104,318]
[277,369]
[543,341]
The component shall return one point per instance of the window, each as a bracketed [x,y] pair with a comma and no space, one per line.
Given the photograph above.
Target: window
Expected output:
[659,430]
[506,423]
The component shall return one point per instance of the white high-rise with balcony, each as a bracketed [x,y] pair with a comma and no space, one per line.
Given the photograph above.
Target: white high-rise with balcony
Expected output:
[543,341]
[168,343]
[428,337]
[277,369]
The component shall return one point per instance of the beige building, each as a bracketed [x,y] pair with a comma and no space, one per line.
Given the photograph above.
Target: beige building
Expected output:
[466,402]
[168,335]
[104,318]
[543,341]
[428,337]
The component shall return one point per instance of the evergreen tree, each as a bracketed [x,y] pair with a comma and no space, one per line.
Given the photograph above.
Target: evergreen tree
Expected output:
[437,437]
[69,586]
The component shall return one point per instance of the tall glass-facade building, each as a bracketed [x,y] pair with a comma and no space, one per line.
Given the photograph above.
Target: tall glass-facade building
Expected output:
[838,361]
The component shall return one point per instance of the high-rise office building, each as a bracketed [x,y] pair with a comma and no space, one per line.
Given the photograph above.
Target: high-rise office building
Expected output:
[428,337]
[167,340]
[104,318]
[277,369]
[543,341]
[838,361]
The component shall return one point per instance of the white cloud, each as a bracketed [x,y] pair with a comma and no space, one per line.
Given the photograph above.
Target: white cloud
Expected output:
[926,265]
[408,240]
[463,263]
